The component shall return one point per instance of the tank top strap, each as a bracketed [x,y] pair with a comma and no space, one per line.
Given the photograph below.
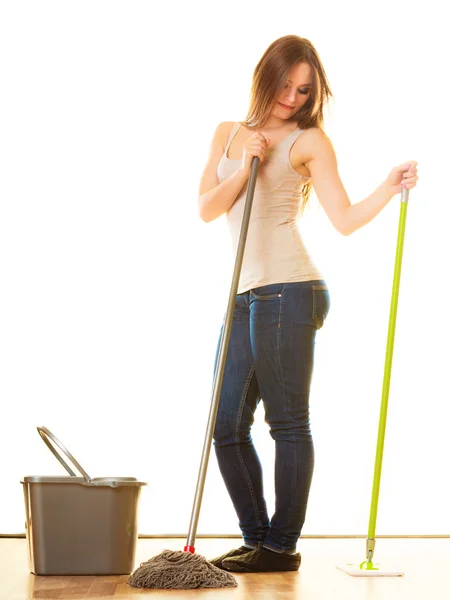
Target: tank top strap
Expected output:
[289,142]
[231,135]
[290,139]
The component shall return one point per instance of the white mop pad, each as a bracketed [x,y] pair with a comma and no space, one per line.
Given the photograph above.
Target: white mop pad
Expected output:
[361,570]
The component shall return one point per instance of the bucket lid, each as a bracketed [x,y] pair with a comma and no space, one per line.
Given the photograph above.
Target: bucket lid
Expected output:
[96,482]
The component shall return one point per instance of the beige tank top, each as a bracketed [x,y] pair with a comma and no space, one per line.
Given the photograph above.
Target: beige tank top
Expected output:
[274,250]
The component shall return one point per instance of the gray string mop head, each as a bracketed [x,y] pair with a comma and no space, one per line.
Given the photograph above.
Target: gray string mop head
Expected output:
[179,570]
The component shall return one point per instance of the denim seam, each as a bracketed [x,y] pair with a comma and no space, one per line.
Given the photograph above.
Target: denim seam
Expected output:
[238,451]
[283,384]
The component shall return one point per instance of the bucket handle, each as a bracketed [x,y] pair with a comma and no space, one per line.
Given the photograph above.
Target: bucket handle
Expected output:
[45,434]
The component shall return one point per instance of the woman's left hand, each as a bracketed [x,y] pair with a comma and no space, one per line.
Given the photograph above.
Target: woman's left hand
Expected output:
[403,176]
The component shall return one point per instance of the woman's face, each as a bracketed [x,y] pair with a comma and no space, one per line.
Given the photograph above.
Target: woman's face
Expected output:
[295,92]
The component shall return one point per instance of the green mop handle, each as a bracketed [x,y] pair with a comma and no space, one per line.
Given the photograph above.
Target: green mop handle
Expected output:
[221,359]
[370,545]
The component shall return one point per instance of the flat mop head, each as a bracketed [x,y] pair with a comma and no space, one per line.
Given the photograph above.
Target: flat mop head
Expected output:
[179,570]
[369,569]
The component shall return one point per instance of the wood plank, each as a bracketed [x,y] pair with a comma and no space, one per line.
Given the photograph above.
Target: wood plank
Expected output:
[425,561]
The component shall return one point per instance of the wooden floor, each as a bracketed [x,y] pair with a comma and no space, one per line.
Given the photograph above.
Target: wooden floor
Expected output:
[426,563]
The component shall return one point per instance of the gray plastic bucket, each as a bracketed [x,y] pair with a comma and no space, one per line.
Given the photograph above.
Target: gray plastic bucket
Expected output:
[78,525]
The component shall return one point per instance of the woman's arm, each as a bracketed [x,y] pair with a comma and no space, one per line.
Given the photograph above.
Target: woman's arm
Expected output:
[322,165]
[216,198]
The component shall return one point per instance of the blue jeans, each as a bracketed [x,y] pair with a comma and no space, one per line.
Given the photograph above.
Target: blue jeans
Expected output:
[270,357]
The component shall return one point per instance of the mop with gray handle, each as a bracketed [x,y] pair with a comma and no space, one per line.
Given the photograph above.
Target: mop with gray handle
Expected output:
[174,569]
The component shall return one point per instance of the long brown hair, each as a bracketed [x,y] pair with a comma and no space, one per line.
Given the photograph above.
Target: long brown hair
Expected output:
[270,76]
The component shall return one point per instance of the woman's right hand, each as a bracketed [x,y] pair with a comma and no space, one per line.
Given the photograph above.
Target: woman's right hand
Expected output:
[255,145]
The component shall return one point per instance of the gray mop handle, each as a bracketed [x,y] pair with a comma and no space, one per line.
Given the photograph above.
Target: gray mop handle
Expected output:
[223,349]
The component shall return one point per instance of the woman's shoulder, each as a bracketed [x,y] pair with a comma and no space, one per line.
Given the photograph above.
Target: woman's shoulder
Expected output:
[227,124]
[314,134]
[312,142]
[224,128]
[223,131]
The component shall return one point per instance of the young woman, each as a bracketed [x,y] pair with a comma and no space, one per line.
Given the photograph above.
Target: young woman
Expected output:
[282,298]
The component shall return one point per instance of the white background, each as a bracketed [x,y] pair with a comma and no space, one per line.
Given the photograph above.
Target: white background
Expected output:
[113,290]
